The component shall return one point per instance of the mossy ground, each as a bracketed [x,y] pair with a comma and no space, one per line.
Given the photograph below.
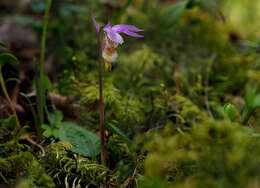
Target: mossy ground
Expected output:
[166,93]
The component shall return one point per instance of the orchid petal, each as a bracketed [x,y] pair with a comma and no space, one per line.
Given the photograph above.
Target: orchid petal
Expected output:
[124,27]
[109,43]
[132,34]
[107,27]
[95,22]
[115,37]
[106,43]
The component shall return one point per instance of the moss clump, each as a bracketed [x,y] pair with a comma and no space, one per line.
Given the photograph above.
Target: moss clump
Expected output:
[64,166]
[29,169]
[5,166]
[212,154]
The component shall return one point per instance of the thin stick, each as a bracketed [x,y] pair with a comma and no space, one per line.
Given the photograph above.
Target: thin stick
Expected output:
[8,99]
[101,104]
[36,144]
[5,180]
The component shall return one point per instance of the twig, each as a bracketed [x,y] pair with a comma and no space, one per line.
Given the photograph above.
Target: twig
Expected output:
[5,180]
[9,101]
[134,173]
[37,145]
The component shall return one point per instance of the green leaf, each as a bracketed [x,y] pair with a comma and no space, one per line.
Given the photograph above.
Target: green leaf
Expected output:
[55,133]
[46,83]
[230,110]
[31,107]
[83,141]
[38,7]
[124,8]
[13,122]
[55,117]
[12,79]
[48,132]
[41,85]
[25,20]
[46,127]
[117,131]
[3,45]
[22,131]
[171,14]
[66,9]
[219,110]
[250,95]
[10,121]
[256,102]
[8,58]
[212,8]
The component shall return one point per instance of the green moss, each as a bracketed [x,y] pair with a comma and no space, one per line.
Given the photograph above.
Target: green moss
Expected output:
[60,163]
[5,166]
[214,153]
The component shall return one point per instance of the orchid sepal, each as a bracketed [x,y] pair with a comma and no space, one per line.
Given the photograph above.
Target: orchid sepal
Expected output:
[95,22]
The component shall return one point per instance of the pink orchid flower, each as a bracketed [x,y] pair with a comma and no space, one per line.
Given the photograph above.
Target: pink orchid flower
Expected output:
[113,38]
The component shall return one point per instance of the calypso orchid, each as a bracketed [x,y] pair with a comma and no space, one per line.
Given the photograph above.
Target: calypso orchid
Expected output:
[113,38]
[107,50]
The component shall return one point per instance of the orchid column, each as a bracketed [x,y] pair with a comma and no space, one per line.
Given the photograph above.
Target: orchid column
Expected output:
[111,40]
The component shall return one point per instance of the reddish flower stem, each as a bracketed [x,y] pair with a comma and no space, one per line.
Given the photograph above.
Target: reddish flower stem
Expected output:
[101,104]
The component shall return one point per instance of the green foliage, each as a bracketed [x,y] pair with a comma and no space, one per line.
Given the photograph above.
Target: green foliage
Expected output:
[38,6]
[49,132]
[190,66]
[188,113]
[9,121]
[41,83]
[252,103]
[12,123]
[173,13]
[8,58]
[61,163]
[54,119]
[128,163]
[26,20]
[83,141]
[118,132]
[37,176]
[211,7]
[2,44]
[212,153]
[119,107]
[28,165]
[230,110]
